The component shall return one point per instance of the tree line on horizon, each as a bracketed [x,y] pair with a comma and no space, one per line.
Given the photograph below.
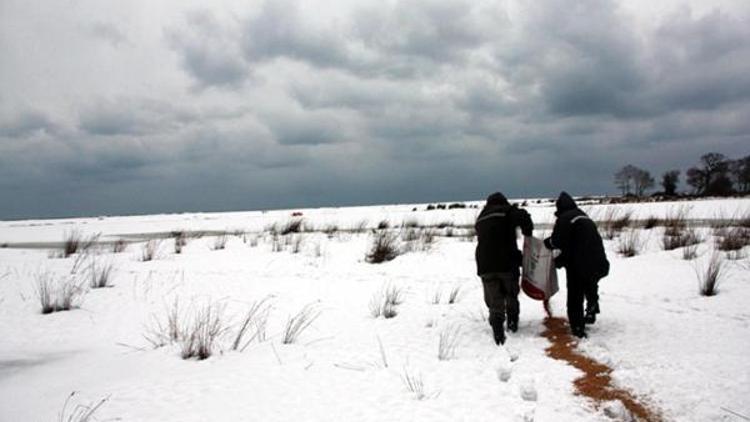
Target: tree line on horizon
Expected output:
[715,175]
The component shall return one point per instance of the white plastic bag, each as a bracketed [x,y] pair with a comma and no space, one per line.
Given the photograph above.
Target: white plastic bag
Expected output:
[539,279]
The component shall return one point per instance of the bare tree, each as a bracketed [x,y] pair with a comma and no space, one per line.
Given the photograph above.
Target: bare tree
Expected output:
[632,177]
[624,178]
[740,170]
[669,182]
[711,175]
[642,181]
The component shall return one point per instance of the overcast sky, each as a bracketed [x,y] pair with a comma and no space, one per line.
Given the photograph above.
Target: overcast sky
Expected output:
[123,107]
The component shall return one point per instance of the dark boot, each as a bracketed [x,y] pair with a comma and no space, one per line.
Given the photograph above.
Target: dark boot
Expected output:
[578,331]
[513,323]
[591,310]
[496,322]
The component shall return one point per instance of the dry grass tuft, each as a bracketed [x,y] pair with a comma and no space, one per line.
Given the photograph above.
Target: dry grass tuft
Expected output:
[298,323]
[58,294]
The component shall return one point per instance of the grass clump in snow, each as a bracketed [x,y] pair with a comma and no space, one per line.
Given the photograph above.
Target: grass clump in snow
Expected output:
[180,240]
[299,322]
[81,412]
[384,248]
[418,240]
[119,246]
[150,250]
[220,242]
[160,333]
[690,252]
[385,301]
[651,222]
[71,242]
[253,325]
[630,244]
[455,294]
[679,237]
[58,294]
[292,226]
[614,221]
[100,275]
[449,341]
[414,383]
[733,239]
[711,275]
[199,337]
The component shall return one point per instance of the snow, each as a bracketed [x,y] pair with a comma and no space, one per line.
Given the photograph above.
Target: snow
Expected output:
[684,353]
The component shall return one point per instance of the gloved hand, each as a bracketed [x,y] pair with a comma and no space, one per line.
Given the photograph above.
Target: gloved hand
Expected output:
[548,243]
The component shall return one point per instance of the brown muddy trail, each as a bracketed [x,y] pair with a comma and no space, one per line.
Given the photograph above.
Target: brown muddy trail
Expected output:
[596,382]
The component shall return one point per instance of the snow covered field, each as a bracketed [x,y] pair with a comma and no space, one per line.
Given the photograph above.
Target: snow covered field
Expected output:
[682,353]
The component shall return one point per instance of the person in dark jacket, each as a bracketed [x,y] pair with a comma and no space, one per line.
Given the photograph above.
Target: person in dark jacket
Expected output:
[499,260]
[583,256]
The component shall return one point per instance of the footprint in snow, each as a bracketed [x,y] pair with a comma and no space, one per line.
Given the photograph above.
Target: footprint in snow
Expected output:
[528,391]
[503,373]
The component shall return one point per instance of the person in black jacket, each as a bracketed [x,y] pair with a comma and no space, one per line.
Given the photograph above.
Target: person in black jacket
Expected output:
[498,260]
[582,255]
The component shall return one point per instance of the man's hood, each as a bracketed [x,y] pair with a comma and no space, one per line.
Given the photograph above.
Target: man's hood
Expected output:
[564,203]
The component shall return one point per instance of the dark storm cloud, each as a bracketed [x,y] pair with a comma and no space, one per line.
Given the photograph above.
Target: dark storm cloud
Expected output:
[26,124]
[107,32]
[398,101]
[208,51]
[133,116]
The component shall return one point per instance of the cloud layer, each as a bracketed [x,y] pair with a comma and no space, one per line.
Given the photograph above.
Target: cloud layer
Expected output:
[289,103]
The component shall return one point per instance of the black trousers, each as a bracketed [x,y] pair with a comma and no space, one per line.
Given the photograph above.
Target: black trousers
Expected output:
[501,295]
[579,288]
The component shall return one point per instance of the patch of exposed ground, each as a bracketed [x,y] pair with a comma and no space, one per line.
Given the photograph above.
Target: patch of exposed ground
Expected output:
[596,382]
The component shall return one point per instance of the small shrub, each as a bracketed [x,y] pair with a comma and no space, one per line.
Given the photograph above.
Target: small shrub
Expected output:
[676,237]
[385,301]
[71,242]
[255,320]
[413,382]
[409,235]
[384,248]
[651,222]
[676,221]
[360,226]
[383,224]
[294,225]
[410,224]
[220,242]
[81,412]
[449,341]
[330,230]
[630,245]
[160,333]
[100,276]
[298,323]
[119,246]
[150,250]
[276,245]
[710,276]
[58,294]
[296,245]
[455,294]
[733,239]
[180,241]
[436,296]
[614,221]
[199,338]
[690,252]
